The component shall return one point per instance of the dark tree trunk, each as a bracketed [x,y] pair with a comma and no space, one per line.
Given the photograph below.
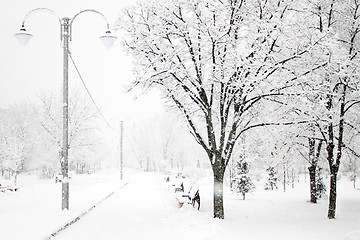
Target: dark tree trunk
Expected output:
[312,170]
[218,191]
[335,164]
[333,173]
[312,173]
[218,199]
[332,197]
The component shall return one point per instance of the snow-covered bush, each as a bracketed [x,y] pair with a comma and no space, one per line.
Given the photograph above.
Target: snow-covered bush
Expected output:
[272,179]
[242,182]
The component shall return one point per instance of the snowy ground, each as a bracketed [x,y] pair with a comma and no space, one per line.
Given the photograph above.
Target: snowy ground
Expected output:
[146,209]
[34,212]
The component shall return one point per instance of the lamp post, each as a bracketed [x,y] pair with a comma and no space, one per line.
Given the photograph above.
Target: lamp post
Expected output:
[121,148]
[23,38]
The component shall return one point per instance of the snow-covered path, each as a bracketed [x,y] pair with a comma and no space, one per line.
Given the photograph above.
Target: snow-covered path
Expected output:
[140,210]
[146,209]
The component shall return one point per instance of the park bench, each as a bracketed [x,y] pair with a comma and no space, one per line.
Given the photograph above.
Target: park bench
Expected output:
[192,197]
[179,188]
[176,183]
[59,177]
[8,188]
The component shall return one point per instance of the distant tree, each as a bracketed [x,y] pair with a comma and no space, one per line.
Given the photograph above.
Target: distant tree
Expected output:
[320,186]
[285,157]
[354,170]
[162,144]
[353,157]
[82,130]
[272,179]
[167,140]
[15,141]
[145,144]
[12,156]
[242,182]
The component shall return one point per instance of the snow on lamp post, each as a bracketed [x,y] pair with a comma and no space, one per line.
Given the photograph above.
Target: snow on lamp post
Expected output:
[23,38]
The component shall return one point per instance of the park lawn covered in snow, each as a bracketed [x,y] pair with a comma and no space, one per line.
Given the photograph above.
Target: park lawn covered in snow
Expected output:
[34,211]
[146,209]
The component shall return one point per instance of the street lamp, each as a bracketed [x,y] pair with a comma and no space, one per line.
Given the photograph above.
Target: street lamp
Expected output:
[121,148]
[23,38]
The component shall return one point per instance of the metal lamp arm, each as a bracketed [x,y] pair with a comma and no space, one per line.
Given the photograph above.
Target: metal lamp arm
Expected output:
[37,10]
[87,10]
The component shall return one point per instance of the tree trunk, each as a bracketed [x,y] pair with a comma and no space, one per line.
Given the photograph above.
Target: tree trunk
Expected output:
[354,173]
[312,174]
[332,197]
[218,199]
[15,178]
[312,170]
[333,175]
[284,181]
[218,192]
[354,181]
[334,165]
[147,164]
[243,196]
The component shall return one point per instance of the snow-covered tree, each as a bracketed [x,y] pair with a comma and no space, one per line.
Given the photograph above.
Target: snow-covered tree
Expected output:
[12,156]
[15,140]
[162,143]
[216,61]
[284,155]
[319,184]
[82,130]
[272,179]
[242,183]
[335,25]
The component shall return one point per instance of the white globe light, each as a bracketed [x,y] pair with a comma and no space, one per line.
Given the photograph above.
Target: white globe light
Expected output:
[108,39]
[23,37]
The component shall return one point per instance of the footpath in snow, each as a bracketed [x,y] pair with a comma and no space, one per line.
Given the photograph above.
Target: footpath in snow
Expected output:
[144,209]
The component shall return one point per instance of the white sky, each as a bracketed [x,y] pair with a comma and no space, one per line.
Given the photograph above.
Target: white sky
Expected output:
[25,71]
